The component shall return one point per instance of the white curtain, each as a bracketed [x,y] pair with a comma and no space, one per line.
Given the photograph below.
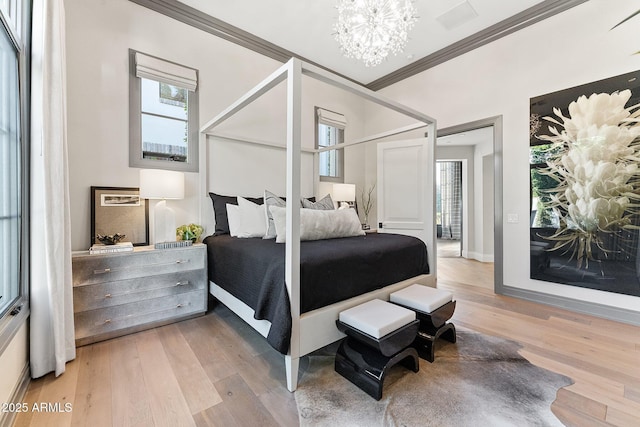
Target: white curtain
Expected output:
[51,327]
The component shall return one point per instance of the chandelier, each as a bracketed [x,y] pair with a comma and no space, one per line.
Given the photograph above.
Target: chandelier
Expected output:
[368,30]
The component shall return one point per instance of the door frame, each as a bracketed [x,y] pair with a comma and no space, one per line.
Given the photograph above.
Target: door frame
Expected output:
[496,123]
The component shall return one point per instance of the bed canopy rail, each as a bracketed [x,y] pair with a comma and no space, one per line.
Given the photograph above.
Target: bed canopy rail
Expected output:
[292,72]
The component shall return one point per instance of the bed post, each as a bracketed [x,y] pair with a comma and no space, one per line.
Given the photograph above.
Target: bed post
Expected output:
[205,216]
[432,134]
[292,259]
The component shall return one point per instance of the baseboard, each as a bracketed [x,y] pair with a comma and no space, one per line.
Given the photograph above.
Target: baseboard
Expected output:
[7,418]
[593,309]
[478,256]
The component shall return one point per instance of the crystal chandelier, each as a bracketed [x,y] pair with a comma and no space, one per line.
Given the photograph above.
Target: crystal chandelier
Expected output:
[370,29]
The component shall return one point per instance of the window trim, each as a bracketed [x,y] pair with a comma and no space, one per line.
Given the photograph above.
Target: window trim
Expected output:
[339,151]
[135,126]
[18,312]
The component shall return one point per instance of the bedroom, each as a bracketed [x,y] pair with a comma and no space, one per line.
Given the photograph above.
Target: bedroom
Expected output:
[550,55]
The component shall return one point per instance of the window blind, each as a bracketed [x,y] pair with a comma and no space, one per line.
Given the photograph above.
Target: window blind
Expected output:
[332,119]
[156,69]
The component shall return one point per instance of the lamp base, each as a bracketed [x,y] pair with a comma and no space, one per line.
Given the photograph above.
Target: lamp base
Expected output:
[164,227]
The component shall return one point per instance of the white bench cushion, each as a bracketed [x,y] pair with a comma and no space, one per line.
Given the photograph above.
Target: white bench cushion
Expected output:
[420,297]
[377,318]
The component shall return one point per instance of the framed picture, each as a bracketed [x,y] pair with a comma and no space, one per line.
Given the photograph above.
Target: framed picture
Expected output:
[585,185]
[120,210]
[119,200]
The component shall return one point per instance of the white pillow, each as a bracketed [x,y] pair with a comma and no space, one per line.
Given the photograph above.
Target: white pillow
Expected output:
[252,221]
[319,224]
[233,216]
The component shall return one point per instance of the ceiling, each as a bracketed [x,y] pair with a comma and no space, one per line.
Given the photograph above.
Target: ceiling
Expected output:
[305,28]
[470,137]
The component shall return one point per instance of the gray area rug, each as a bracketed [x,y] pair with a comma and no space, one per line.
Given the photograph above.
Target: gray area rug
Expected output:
[479,381]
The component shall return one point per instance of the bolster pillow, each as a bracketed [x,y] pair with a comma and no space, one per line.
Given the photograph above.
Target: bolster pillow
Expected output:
[319,224]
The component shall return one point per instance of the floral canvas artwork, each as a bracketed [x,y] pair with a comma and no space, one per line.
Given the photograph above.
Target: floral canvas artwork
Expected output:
[585,185]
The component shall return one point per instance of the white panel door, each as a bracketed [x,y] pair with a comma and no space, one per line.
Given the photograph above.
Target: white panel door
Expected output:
[406,196]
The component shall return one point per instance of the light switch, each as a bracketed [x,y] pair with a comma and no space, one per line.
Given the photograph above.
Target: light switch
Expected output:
[512,218]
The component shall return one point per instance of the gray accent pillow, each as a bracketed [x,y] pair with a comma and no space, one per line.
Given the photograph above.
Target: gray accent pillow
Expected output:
[325,204]
[271,199]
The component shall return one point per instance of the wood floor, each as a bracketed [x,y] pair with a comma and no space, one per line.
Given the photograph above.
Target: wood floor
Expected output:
[216,371]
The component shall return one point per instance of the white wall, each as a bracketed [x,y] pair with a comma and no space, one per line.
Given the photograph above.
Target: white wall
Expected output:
[569,49]
[488,200]
[13,360]
[483,189]
[99,34]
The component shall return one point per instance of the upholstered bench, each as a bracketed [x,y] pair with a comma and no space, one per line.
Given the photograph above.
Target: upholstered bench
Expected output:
[433,307]
[379,336]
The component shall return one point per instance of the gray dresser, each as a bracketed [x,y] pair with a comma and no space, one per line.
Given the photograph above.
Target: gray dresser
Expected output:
[121,293]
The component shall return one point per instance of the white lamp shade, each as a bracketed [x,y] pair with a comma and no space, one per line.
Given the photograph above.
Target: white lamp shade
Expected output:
[344,192]
[161,184]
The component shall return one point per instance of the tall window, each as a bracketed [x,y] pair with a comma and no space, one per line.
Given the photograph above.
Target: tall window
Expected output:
[330,131]
[165,121]
[163,114]
[10,174]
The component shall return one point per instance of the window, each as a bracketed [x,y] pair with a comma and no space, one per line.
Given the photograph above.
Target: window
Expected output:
[14,168]
[163,114]
[10,175]
[330,131]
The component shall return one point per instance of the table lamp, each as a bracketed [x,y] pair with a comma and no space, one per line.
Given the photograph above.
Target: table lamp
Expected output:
[163,185]
[344,195]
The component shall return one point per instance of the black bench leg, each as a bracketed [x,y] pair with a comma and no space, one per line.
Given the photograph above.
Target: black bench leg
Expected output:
[366,368]
[449,333]
[425,341]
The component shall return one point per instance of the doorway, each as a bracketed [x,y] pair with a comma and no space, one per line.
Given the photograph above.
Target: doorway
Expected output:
[449,206]
[478,145]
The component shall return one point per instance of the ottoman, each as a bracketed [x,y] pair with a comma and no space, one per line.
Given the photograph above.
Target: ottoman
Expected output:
[433,307]
[378,336]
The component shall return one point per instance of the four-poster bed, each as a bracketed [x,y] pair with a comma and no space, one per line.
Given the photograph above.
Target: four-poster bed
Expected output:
[316,328]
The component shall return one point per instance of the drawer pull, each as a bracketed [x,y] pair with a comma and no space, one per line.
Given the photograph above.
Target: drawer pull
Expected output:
[182,261]
[182,283]
[103,271]
[107,296]
[107,321]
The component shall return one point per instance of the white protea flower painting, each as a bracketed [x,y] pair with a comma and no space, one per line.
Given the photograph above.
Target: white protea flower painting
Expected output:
[597,169]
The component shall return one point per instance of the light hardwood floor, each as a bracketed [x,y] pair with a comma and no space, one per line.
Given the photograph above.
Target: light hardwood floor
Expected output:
[215,370]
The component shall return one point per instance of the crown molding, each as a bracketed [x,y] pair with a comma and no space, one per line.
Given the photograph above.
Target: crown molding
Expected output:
[537,13]
[197,19]
[191,16]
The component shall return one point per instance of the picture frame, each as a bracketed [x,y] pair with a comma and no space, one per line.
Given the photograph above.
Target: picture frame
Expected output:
[119,210]
[584,231]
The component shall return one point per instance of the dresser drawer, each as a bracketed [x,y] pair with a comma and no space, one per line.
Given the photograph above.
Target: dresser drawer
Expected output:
[120,317]
[90,297]
[89,269]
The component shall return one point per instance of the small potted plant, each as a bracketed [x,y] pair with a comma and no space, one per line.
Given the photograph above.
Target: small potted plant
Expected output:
[189,232]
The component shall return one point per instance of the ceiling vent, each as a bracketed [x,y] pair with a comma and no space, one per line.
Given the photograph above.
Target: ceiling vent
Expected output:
[457,16]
